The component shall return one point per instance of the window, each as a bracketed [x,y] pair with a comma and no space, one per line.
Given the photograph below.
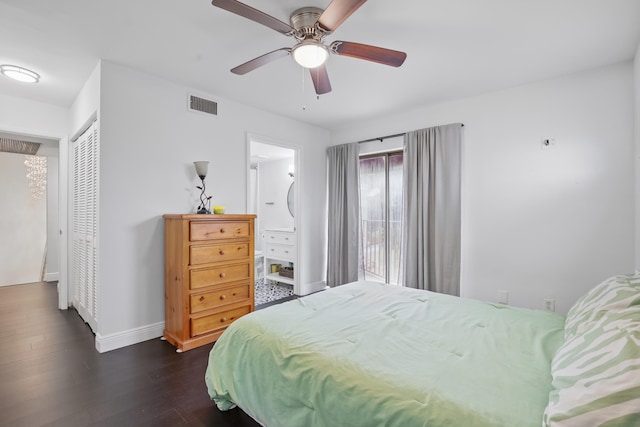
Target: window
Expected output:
[381,215]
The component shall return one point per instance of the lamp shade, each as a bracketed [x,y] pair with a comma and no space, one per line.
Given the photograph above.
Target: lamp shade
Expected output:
[201,168]
[310,54]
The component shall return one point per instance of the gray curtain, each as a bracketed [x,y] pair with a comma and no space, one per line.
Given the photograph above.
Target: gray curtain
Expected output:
[431,217]
[343,258]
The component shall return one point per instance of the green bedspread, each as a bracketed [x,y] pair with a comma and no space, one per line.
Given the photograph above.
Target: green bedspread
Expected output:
[368,355]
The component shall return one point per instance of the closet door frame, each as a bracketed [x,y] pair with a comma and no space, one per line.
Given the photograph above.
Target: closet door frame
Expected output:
[84,225]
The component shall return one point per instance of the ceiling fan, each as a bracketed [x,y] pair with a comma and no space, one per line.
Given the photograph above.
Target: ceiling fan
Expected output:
[309,26]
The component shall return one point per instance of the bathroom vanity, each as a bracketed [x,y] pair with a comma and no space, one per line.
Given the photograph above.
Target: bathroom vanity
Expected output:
[279,248]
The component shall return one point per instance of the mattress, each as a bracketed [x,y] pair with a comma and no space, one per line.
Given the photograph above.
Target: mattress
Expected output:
[367,354]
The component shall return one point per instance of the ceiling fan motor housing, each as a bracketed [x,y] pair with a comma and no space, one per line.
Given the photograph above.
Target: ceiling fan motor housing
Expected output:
[304,21]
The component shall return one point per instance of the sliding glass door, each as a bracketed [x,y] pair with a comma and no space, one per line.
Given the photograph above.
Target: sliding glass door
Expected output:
[381,213]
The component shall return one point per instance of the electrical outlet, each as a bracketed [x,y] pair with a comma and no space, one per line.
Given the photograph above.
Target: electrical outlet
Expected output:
[548,143]
[503,297]
[549,304]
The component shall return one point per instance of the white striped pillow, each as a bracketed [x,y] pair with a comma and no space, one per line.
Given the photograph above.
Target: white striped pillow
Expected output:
[596,371]
[615,293]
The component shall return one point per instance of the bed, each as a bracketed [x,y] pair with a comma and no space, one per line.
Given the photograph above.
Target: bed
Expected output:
[366,354]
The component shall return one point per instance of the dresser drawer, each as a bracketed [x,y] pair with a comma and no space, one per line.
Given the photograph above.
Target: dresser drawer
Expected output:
[205,301]
[219,275]
[280,252]
[203,325]
[215,253]
[279,237]
[199,231]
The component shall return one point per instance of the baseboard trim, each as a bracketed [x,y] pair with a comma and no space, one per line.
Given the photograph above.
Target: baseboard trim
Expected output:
[110,342]
[51,277]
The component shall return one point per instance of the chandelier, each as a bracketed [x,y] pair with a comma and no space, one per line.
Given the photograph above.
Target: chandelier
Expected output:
[37,175]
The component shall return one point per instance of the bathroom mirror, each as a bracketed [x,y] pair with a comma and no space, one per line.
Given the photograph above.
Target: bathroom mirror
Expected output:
[290,201]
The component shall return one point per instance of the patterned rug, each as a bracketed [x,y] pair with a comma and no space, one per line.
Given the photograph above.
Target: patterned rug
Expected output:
[272,291]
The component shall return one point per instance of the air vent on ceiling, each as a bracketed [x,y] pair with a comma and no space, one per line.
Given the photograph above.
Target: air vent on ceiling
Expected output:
[17,146]
[203,105]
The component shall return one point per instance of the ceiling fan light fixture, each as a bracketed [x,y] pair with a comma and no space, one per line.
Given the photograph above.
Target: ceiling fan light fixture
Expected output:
[310,54]
[19,73]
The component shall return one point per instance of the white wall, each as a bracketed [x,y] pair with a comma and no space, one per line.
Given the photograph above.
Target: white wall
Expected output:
[52,270]
[274,186]
[23,116]
[539,223]
[52,267]
[86,107]
[636,80]
[148,143]
[23,224]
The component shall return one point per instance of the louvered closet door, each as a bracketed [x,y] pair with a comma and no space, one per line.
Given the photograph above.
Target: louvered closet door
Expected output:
[85,226]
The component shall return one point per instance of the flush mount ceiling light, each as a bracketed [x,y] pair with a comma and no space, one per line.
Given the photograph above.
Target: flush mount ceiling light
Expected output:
[19,74]
[310,53]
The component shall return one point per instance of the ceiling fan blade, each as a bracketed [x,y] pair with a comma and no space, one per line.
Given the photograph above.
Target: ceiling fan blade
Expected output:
[255,15]
[261,60]
[337,12]
[320,79]
[380,55]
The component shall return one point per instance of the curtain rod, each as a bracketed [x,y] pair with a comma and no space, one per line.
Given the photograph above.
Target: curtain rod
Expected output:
[381,138]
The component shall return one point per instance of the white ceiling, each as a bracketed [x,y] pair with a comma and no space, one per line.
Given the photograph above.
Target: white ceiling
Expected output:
[455,48]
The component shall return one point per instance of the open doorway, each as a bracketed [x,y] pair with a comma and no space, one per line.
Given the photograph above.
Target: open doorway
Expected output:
[29,225]
[272,194]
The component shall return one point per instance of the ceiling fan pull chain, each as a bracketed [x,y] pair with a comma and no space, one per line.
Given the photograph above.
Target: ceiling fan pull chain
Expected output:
[302,70]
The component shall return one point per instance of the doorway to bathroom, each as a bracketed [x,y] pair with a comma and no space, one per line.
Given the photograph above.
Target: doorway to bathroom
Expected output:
[271,196]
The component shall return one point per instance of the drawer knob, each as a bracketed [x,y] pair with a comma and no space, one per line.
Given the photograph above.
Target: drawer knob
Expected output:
[223,275]
[221,252]
[222,230]
[201,298]
[224,319]
[223,297]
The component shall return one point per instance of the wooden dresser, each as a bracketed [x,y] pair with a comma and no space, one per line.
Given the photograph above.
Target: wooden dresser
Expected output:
[208,275]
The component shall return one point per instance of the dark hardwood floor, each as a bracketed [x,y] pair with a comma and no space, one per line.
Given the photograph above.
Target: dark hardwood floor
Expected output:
[52,375]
